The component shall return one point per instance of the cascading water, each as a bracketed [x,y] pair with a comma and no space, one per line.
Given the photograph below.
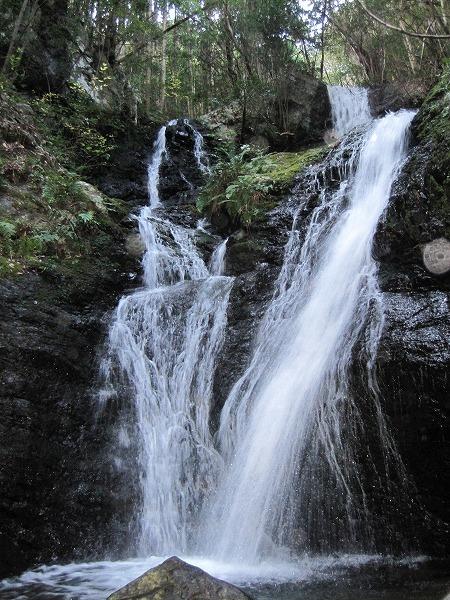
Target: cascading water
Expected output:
[292,435]
[217,263]
[288,428]
[350,107]
[199,150]
[163,342]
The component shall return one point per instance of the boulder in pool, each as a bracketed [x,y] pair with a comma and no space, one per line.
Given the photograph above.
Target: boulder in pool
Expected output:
[176,580]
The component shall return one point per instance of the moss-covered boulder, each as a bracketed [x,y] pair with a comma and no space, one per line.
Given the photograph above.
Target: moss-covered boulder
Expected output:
[244,186]
[176,580]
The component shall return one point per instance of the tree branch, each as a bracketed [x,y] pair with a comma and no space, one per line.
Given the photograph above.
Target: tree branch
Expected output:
[399,29]
[162,33]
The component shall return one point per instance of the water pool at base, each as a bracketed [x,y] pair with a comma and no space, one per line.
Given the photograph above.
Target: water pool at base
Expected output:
[348,577]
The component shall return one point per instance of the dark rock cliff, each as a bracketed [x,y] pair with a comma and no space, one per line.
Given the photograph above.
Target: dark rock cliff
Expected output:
[55,495]
[414,357]
[57,488]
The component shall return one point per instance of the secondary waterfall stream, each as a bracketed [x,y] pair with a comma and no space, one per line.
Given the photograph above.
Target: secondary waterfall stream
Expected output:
[163,343]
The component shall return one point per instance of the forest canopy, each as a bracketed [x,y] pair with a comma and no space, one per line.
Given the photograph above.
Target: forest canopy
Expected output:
[165,58]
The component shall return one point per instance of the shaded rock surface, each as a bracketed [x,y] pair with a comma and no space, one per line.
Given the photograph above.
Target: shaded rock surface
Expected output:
[298,117]
[55,481]
[175,579]
[414,355]
[393,96]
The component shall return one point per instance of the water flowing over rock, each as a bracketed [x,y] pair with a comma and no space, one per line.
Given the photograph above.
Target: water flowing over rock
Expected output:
[250,385]
[163,344]
[350,108]
[286,418]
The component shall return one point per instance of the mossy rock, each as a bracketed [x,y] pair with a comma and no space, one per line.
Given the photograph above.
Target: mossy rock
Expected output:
[176,580]
[432,129]
[247,185]
[420,208]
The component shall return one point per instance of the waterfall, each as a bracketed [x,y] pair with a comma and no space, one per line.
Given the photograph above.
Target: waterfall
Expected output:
[199,150]
[162,346]
[217,263]
[290,431]
[350,108]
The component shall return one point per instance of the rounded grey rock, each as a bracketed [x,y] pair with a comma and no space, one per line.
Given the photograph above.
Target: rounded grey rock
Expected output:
[436,256]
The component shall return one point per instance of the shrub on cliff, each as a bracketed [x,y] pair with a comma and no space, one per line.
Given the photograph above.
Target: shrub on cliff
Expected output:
[248,183]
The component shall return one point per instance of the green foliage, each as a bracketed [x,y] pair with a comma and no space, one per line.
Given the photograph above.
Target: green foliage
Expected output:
[7,229]
[434,116]
[61,188]
[56,217]
[359,49]
[80,133]
[248,183]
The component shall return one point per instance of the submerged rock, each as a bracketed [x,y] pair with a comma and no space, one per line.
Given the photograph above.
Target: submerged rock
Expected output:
[176,580]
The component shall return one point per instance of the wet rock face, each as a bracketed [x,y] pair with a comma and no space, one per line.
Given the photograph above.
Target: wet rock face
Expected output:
[127,179]
[308,113]
[180,176]
[175,579]
[396,95]
[254,259]
[55,482]
[413,375]
[414,354]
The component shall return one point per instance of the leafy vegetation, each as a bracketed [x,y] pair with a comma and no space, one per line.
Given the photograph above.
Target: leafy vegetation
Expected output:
[79,132]
[47,214]
[164,58]
[248,183]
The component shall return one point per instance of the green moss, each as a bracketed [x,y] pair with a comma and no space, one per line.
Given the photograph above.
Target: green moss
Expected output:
[248,184]
[53,218]
[433,130]
[433,120]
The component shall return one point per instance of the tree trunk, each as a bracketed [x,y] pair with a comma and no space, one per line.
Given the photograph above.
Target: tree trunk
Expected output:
[162,98]
[322,38]
[14,37]
[47,62]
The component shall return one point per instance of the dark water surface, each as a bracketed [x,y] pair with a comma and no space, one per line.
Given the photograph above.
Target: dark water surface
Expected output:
[426,581]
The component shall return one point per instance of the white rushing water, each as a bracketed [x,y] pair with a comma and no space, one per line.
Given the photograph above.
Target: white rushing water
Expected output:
[285,417]
[163,343]
[199,150]
[350,108]
[217,262]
